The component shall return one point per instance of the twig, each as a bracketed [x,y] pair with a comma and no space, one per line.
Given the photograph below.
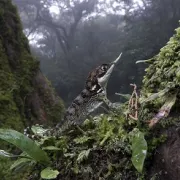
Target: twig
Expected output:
[133,104]
[164,110]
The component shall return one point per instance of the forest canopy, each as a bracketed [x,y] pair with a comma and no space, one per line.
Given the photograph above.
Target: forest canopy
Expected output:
[70,38]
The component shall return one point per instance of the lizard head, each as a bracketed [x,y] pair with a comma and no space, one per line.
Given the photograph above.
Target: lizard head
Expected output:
[98,78]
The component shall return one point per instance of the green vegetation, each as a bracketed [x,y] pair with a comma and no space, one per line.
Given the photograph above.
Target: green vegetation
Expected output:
[20,77]
[19,92]
[164,69]
[112,146]
[161,82]
[103,150]
[108,146]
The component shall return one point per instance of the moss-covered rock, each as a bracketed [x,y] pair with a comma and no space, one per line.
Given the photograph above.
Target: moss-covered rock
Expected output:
[162,74]
[101,149]
[164,69]
[25,94]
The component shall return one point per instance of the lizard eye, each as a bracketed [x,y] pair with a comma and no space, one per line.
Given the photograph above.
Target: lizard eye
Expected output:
[104,67]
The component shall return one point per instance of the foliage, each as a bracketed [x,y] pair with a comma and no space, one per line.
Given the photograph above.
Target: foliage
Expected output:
[24,143]
[162,80]
[107,147]
[48,173]
[165,66]
[139,149]
[99,35]
[103,150]
[18,72]
[22,162]
[14,52]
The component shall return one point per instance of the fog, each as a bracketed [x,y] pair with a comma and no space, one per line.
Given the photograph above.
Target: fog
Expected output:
[70,38]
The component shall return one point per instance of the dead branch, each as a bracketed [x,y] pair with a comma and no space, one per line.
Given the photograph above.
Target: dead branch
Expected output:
[164,110]
[133,104]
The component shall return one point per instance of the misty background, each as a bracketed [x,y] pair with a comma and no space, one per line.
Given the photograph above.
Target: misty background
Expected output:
[70,38]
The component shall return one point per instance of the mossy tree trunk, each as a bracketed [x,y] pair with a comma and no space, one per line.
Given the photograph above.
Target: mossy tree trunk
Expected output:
[164,73]
[26,97]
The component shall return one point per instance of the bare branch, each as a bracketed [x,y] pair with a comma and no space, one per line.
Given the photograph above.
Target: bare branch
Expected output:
[133,104]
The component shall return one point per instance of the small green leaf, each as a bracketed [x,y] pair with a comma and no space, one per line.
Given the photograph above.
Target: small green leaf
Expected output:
[48,173]
[38,130]
[178,73]
[82,140]
[75,168]
[70,155]
[154,96]
[106,137]
[20,162]
[6,154]
[24,143]
[170,101]
[144,61]
[139,150]
[83,155]
[125,96]
[51,148]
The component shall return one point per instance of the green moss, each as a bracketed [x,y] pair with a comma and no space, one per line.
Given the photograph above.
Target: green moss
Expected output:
[52,104]
[55,112]
[101,149]
[163,73]
[106,142]
[4,171]
[17,72]
[164,69]
[16,67]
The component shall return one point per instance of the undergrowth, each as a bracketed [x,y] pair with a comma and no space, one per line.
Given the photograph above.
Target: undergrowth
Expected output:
[101,148]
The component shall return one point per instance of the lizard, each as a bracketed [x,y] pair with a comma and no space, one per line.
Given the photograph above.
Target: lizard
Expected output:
[92,96]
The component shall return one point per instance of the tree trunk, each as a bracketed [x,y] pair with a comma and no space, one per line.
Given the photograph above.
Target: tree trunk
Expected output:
[26,96]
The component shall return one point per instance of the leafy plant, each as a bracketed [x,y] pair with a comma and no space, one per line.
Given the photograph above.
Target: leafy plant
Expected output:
[25,144]
[21,163]
[6,154]
[83,155]
[48,173]
[139,149]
